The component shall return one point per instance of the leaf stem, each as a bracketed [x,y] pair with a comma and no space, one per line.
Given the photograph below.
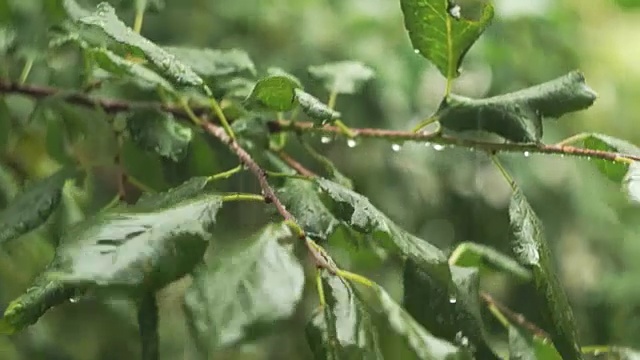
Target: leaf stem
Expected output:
[226,174]
[344,129]
[355,278]
[333,96]
[320,288]
[148,327]
[285,175]
[26,70]
[504,172]
[573,139]
[424,123]
[187,109]
[223,119]
[242,197]
[137,22]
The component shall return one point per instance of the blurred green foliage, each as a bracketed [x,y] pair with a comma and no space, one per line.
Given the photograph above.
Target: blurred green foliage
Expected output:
[446,196]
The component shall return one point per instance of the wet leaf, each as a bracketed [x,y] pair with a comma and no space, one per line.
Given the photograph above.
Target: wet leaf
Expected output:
[532,251]
[187,190]
[302,199]
[124,250]
[451,315]
[525,346]
[354,324]
[276,93]
[244,289]
[613,170]
[315,108]
[343,77]
[517,116]
[31,208]
[440,34]
[214,63]
[358,213]
[161,133]
[276,71]
[121,67]
[105,19]
[486,258]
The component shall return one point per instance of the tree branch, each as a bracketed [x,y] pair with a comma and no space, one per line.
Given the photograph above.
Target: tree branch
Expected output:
[516,318]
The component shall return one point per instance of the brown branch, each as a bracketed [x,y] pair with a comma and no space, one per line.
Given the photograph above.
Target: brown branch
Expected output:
[294,164]
[321,259]
[516,318]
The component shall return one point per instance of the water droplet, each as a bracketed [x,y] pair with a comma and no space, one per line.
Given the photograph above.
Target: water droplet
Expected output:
[526,154]
[453,300]
[427,144]
[438,147]
[74,300]
[351,143]
[454,11]
[461,339]
[325,139]
[416,51]
[396,147]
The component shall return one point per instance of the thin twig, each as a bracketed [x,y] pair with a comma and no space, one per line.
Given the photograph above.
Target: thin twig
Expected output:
[267,191]
[514,317]
[296,165]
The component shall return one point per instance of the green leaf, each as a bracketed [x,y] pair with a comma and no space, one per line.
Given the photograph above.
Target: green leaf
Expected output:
[439,34]
[105,19]
[525,346]
[532,251]
[244,288]
[32,208]
[613,170]
[187,190]
[7,39]
[302,199]
[357,212]
[214,63]
[343,77]
[160,132]
[486,258]
[315,108]
[276,93]
[119,66]
[276,71]
[451,315]
[517,116]
[354,324]
[123,250]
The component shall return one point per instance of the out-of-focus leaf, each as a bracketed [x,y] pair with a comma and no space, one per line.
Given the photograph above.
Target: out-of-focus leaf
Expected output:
[32,208]
[276,93]
[343,77]
[161,133]
[532,251]
[611,353]
[440,34]
[486,258]
[105,19]
[123,250]
[120,66]
[525,346]
[315,108]
[357,212]
[237,88]
[214,63]
[353,324]
[517,116]
[153,5]
[613,170]
[243,288]
[454,316]
[7,39]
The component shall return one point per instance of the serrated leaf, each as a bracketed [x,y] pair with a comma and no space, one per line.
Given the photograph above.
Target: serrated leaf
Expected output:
[451,315]
[161,133]
[105,19]
[486,258]
[187,190]
[214,63]
[276,93]
[302,199]
[33,206]
[353,324]
[254,284]
[121,250]
[343,77]
[357,212]
[440,34]
[517,116]
[613,170]
[315,108]
[532,251]
[119,66]
[276,71]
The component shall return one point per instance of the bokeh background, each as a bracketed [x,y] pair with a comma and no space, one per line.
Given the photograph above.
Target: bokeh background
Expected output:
[445,196]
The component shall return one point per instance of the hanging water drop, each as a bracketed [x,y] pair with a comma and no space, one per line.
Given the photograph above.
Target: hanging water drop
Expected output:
[351,143]
[427,144]
[416,51]
[454,11]
[325,139]
[438,147]
[453,300]
[526,154]
[396,147]
[74,300]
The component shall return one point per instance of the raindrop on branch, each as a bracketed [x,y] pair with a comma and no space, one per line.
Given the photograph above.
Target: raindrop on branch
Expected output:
[351,143]
[526,154]
[325,139]
[396,147]
[438,147]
